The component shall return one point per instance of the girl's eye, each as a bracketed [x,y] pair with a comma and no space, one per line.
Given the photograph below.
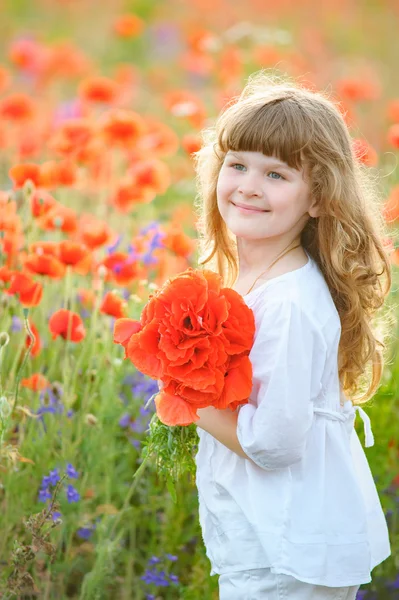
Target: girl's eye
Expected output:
[237,165]
[276,174]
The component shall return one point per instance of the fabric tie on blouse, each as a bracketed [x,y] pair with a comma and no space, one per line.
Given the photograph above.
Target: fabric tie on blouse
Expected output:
[348,415]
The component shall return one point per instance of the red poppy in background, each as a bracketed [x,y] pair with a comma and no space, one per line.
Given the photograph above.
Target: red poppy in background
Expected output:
[59,217]
[191,142]
[128,194]
[17,107]
[122,269]
[178,242]
[37,346]
[98,89]
[22,172]
[68,325]
[86,297]
[44,247]
[75,255]
[126,26]
[57,173]
[72,136]
[41,201]
[29,291]
[93,232]
[122,128]
[113,305]
[151,173]
[159,139]
[45,264]
[36,382]
[364,152]
[393,136]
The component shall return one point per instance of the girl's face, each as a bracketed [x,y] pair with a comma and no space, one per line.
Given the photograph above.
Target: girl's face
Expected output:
[261,197]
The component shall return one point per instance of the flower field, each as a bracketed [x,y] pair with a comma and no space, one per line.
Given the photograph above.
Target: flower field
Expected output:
[101,107]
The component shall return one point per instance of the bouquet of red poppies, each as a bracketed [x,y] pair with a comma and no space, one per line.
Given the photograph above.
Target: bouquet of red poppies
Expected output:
[195,336]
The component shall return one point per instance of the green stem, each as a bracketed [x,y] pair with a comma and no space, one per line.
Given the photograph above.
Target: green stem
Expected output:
[22,365]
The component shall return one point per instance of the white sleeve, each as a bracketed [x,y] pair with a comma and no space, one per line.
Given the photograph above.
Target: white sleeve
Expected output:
[288,358]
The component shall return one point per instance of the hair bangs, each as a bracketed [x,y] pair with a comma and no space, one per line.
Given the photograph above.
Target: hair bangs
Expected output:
[276,128]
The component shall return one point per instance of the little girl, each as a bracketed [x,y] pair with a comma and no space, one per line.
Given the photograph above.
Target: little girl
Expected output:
[287,215]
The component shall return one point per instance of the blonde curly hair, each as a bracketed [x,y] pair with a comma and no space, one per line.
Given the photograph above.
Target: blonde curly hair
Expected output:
[279,117]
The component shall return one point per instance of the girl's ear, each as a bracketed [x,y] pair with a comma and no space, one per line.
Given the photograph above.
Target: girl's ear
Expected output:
[314,209]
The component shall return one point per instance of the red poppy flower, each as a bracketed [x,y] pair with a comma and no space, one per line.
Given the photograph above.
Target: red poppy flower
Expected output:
[37,346]
[76,255]
[29,291]
[364,152]
[98,89]
[68,325]
[196,337]
[94,232]
[41,202]
[122,269]
[113,305]
[127,26]
[45,264]
[21,173]
[36,382]
[122,128]
[17,107]
[151,173]
[59,217]
[393,135]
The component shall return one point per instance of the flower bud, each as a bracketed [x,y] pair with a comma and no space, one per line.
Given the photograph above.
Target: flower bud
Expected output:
[4,338]
[91,419]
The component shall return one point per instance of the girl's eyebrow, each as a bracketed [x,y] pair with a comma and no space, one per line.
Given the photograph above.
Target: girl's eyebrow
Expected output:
[273,161]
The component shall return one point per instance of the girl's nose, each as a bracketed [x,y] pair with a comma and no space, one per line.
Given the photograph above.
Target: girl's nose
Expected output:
[250,186]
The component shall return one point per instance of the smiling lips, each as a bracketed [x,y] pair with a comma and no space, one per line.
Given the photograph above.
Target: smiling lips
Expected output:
[248,209]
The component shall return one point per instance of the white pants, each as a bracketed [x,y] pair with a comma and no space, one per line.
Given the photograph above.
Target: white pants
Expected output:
[262,584]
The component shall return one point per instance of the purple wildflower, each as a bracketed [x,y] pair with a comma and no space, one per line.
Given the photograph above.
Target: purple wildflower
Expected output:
[44,495]
[72,494]
[171,557]
[85,532]
[51,479]
[71,472]
[124,420]
[16,324]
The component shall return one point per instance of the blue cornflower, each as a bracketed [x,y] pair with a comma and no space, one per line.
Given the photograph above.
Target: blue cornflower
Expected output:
[70,413]
[137,426]
[154,560]
[174,578]
[16,324]
[85,532]
[71,472]
[72,494]
[149,259]
[44,495]
[51,479]
[124,420]
[171,557]
[135,443]
[56,515]
[150,597]
[113,247]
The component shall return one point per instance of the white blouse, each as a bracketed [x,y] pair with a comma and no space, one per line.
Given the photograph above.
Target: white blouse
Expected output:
[306,504]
